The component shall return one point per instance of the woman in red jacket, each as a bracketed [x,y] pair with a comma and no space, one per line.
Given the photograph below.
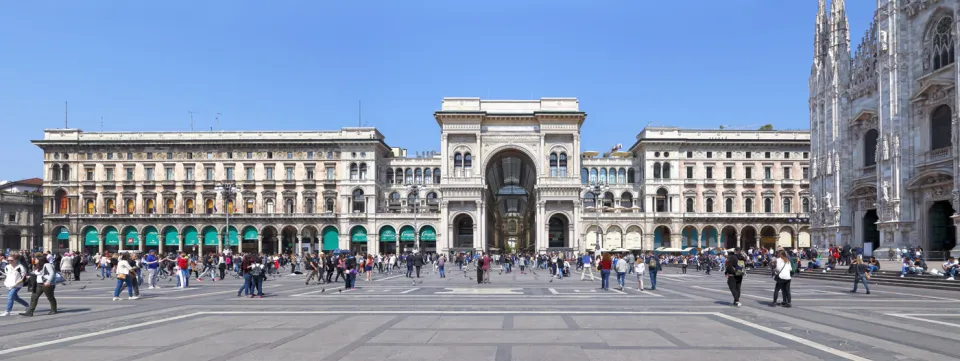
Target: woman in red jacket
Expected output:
[605,265]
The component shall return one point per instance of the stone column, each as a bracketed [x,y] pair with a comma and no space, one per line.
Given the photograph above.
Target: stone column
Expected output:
[25,241]
[100,241]
[571,237]
[481,225]
[675,240]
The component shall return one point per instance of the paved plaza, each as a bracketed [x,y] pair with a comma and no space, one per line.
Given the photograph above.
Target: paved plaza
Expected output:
[516,317]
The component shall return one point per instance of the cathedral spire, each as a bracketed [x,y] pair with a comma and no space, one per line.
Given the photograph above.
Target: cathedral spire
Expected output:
[822,27]
[840,29]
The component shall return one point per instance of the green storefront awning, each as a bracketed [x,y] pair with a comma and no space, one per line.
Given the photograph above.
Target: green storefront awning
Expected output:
[210,237]
[331,239]
[232,237]
[63,234]
[428,234]
[388,234]
[152,237]
[91,238]
[250,234]
[407,234]
[130,238]
[191,237]
[111,237]
[170,238]
[358,234]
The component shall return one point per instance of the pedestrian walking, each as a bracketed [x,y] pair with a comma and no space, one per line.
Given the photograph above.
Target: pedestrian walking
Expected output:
[606,264]
[41,283]
[734,272]
[622,267]
[781,275]
[653,265]
[640,269]
[860,275]
[16,274]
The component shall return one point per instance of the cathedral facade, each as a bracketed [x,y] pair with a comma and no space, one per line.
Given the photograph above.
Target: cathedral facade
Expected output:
[884,133]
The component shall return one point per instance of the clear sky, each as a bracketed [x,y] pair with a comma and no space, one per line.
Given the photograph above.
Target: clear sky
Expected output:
[290,65]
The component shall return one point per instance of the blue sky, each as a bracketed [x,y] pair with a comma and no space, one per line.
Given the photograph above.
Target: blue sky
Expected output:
[305,64]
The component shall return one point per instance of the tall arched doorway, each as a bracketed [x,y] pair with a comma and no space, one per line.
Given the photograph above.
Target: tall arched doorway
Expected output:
[728,237]
[510,178]
[463,230]
[331,238]
[268,240]
[689,237]
[709,237]
[871,234]
[557,232]
[11,239]
[748,237]
[941,231]
[768,237]
[288,239]
[249,242]
[661,237]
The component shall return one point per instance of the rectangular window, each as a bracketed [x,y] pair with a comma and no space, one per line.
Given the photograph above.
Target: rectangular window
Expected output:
[89,156]
[806,172]
[249,173]
[269,155]
[190,173]
[748,173]
[209,155]
[786,155]
[729,172]
[11,217]
[729,154]
[767,173]
[330,173]
[310,154]
[229,155]
[806,155]
[249,155]
[289,173]
[289,155]
[169,171]
[229,173]
[786,173]
[209,173]
[129,174]
[169,155]
[149,155]
[269,173]
[709,154]
[189,155]
[689,172]
[90,174]
[310,173]
[148,173]
[689,154]
[109,172]
[709,172]
[766,155]
[109,155]
[748,154]
[129,155]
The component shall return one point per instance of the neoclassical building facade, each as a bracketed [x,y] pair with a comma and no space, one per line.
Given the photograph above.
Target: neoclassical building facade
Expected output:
[510,175]
[884,128]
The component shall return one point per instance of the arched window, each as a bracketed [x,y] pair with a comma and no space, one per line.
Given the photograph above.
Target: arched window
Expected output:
[61,203]
[131,206]
[91,208]
[666,170]
[389,175]
[412,201]
[608,200]
[940,128]
[189,206]
[168,206]
[271,207]
[593,175]
[870,147]
[65,172]
[805,203]
[418,176]
[363,171]
[661,200]
[436,175]
[690,205]
[589,201]
[612,176]
[748,205]
[787,205]
[554,167]
[359,201]
[709,205]
[626,200]
[728,205]
[55,172]
[457,163]
[768,205]
[399,175]
[229,207]
[395,197]
[603,175]
[408,176]
[467,161]
[354,171]
[563,164]
[329,206]
[151,207]
[288,206]
[584,176]
[622,176]
[428,176]
[656,170]
[940,40]
[309,206]
[631,176]
[249,206]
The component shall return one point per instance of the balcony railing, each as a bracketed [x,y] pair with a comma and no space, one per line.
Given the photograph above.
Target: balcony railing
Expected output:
[868,171]
[939,154]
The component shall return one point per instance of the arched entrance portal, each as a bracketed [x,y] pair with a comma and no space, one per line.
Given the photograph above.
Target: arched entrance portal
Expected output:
[309,240]
[557,231]
[748,237]
[268,240]
[729,237]
[871,235]
[689,237]
[941,229]
[463,229]
[510,177]
[11,239]
[288,239]
[768,237]
[661,237]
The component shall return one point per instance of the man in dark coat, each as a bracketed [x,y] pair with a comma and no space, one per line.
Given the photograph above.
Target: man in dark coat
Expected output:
[418,263]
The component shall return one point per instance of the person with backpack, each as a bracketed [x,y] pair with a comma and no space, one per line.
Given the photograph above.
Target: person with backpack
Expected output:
[257,274]
[16,274]
[734,272]
[42,282]
[653,265]
[480,270]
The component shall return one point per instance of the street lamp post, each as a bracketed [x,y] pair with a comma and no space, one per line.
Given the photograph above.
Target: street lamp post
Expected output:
[797,219]
[597,189]
[227,191]
[415,189]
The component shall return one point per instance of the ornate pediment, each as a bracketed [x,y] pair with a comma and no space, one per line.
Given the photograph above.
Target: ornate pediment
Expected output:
[689,192]
[730,193]
[930,178]
[768,193]
[864,190]
[269,194]
[249,194]
[309,194]
[864,115]
[709,193]
[935,88]
[788,192]
[749,193]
